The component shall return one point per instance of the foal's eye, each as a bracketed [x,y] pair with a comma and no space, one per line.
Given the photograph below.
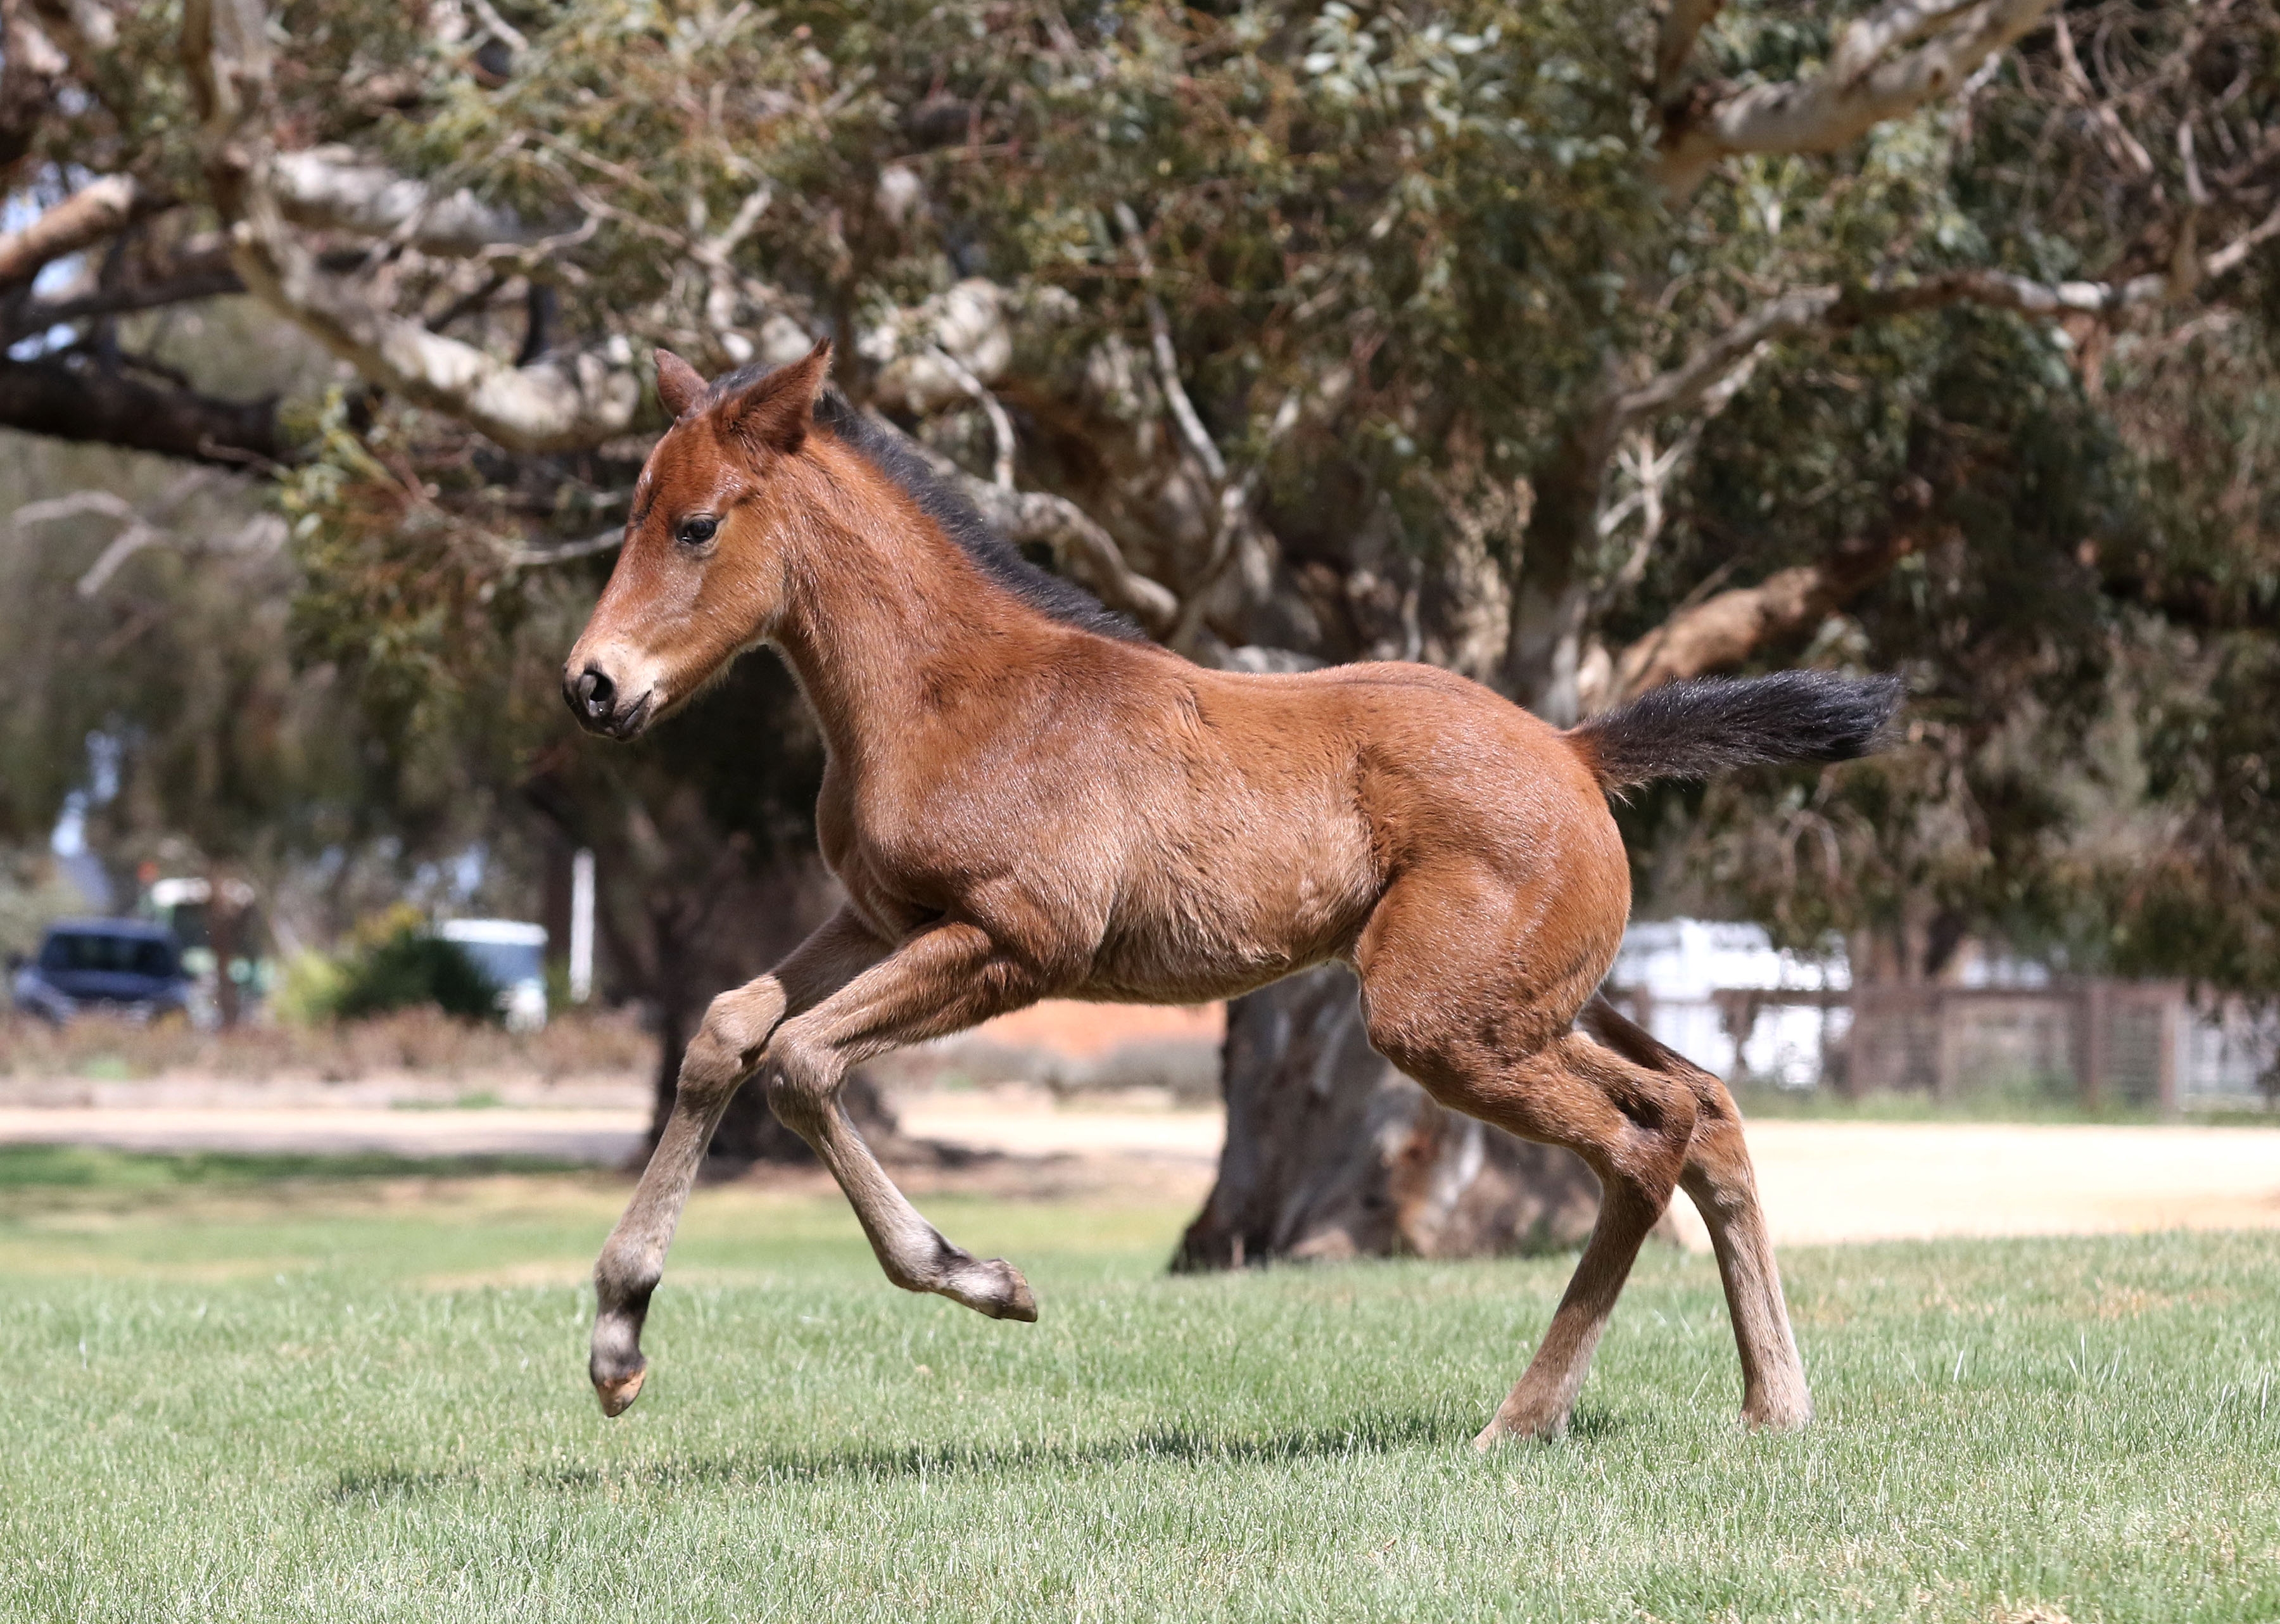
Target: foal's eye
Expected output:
[696,532]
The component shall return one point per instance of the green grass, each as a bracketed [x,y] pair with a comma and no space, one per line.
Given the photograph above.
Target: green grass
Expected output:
[31,1175]
[250,1398]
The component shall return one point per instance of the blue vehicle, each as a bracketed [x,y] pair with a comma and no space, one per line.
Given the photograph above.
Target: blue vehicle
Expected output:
[121,968]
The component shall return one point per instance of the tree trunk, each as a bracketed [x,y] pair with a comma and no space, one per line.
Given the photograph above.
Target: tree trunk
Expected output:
[1332,1153]
[223,919]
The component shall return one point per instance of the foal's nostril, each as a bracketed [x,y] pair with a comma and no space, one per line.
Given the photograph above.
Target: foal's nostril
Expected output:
[596,694]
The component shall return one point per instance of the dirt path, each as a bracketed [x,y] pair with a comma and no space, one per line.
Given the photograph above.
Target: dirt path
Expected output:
[1875,1180]
[1821,1182]
[1829,1182]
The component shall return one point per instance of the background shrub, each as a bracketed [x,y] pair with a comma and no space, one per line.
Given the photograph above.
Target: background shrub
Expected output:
[395,962]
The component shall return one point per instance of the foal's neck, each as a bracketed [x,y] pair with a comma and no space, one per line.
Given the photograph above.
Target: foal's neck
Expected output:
[889,625]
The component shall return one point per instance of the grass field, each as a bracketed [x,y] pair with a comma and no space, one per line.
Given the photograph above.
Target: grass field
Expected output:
[238,1395]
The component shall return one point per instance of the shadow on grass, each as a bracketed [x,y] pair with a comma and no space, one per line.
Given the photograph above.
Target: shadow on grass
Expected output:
[1594,1424]
[1365,1435]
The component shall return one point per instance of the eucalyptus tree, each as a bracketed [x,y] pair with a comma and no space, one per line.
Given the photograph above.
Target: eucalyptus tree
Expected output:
[1577,347]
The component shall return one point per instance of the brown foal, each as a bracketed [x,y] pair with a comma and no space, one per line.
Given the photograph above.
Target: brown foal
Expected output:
[1025,799]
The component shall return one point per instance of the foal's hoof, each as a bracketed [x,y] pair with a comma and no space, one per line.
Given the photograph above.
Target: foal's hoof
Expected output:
[1777,1417]
[1504,1429]
[618,1395]
[995,1288]
[1019,1303]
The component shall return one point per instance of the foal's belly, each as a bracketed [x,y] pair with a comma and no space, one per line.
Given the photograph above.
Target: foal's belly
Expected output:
[1229,907]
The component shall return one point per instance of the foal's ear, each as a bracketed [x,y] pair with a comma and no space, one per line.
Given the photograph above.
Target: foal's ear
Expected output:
[776,411]
[678,386]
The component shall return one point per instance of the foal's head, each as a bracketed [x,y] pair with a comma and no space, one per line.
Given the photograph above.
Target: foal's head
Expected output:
[702,576]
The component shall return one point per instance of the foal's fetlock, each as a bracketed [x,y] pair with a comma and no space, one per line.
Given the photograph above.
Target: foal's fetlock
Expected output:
[616,1366]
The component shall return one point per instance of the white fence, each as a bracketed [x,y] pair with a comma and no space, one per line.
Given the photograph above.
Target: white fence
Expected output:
[1725,998]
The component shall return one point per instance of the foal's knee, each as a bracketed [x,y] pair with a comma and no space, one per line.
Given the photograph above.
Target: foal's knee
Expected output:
[728,1044]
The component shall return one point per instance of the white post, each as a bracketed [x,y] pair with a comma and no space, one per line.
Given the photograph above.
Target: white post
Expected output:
[581,926]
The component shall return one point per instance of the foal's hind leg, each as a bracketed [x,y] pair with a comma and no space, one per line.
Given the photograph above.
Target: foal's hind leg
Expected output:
[1462,991]
[1719,1180]
[942,980]
[1632,1126]
[725,1050]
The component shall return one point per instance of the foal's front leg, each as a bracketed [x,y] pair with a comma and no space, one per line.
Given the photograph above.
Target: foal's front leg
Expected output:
[942,980]
[725,1050]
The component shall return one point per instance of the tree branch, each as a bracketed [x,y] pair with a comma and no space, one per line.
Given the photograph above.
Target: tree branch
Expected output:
[1691,382]
[334,189]
[1198,442]
[146,526]
[566,404]
[98,209]
[564,552]
[1720,366]
[1891,26]
[1729,628]
[1088,550]
[1859,87]
[85,29]
[1682,27]
[1001,425]
[30,70]
[91,404]
[205,273]
[1236,533]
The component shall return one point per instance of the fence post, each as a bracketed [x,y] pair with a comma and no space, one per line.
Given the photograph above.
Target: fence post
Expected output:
[2172,1027]
[1943,1043]
[1856,1041]
[2092,1079]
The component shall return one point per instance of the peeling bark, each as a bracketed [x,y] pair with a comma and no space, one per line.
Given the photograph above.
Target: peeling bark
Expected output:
[571,404]
[332,188]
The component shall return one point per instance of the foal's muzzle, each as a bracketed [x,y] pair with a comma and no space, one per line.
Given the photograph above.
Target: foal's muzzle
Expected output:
[594,699]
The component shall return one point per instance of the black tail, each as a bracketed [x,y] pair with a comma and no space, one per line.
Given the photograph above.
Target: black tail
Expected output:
[1713,724]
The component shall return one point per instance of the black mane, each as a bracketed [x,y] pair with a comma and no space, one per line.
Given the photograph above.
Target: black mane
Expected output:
[1063,600]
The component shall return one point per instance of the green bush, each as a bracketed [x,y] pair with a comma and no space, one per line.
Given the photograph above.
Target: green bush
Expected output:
[395,963]
[309,989]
